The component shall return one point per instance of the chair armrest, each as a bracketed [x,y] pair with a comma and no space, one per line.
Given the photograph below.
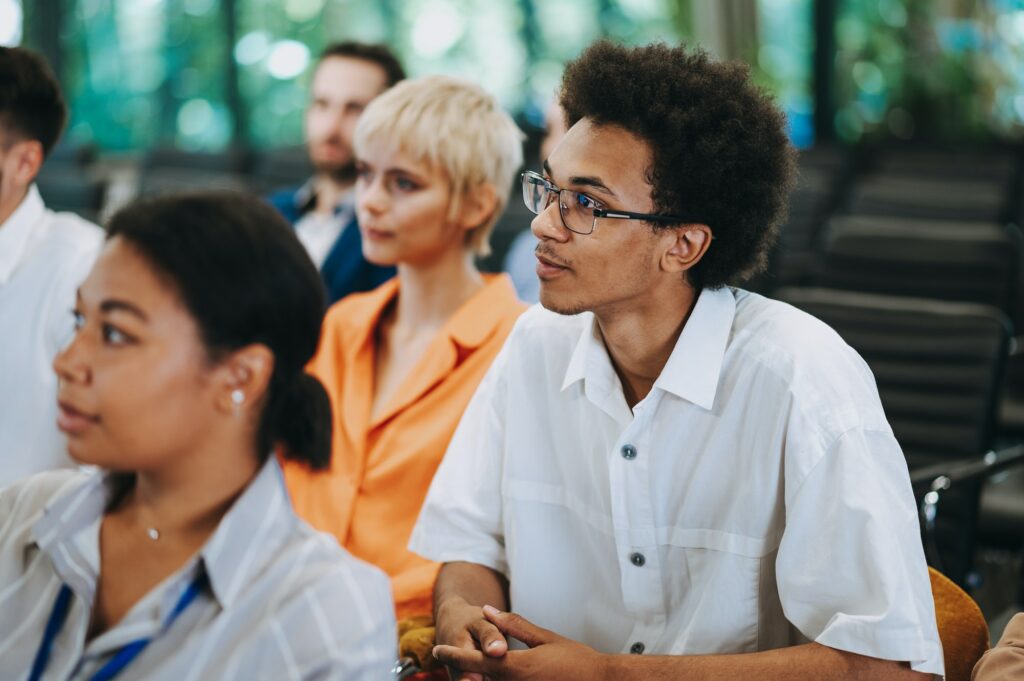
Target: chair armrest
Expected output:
[930,482]
[962,470]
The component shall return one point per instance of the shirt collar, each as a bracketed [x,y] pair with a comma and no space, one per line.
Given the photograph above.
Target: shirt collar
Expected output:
[249,534]
[17,230]
[692,370]
[305,199]
[63,522]
[589,344]
[480,316]
[471,325]
[247,537]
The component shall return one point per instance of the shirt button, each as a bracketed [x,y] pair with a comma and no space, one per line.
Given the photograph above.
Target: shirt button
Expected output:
[637,648]
[637,559]
[628,452]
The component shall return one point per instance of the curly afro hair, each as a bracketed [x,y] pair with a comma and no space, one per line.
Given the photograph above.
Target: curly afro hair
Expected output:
[720,150]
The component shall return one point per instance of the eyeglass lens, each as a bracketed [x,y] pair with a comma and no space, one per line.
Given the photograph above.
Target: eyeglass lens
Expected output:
[575,215]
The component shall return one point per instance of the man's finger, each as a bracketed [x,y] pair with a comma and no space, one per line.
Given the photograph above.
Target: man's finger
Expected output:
[463,660]
[464,640]
[489,637]
[518,627]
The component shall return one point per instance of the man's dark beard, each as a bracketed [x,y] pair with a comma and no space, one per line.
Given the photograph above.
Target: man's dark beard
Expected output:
[343,174]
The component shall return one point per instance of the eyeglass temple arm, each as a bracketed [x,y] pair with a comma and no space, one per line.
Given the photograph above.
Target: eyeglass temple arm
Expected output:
[623,215]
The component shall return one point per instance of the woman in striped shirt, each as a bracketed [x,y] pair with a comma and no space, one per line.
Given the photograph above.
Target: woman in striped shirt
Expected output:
[180,556]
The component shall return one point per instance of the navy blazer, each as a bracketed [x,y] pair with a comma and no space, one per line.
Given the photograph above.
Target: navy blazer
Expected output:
[345,270]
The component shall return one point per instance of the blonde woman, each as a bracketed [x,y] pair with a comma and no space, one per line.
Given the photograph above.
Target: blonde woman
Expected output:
[435,159]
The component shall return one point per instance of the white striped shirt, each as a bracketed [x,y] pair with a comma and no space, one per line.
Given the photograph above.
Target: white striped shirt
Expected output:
[282,601]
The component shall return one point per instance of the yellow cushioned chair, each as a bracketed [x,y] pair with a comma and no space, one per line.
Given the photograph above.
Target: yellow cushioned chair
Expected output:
[962,627]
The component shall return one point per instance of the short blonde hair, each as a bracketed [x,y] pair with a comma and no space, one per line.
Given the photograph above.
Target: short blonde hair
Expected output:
[453,125]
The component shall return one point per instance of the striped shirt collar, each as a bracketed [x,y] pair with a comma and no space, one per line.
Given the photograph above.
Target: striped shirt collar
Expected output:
[243,543]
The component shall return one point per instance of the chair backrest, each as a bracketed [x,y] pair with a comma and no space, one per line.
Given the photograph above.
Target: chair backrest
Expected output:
[166,170]
[931,198]
[793,255]
[962,627]
[274,169]
[969,262]
[938,367]
[964,163]
[71,189]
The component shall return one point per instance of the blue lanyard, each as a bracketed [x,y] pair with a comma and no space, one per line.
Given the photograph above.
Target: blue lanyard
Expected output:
[126,654]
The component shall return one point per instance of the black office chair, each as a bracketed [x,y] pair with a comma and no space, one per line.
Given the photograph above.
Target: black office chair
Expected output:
[938,367]
[165,170]
[931,198]
[281,168]
[71,189]
[973,163]
[822,177]
[967,261]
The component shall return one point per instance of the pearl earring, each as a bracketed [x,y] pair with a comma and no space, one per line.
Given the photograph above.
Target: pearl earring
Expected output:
[238,397]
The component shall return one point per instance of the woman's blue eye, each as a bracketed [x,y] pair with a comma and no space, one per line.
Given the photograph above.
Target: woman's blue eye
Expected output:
[405,184]
[585,201]
[79,320]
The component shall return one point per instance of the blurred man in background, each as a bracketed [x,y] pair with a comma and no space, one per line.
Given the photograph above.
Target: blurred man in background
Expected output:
[348,77]
[43,257]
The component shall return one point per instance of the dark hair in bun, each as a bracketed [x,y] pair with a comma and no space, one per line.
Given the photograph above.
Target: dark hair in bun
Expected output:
[245,278]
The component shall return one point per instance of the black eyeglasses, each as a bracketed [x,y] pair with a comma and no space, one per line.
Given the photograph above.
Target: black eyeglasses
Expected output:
[580,212]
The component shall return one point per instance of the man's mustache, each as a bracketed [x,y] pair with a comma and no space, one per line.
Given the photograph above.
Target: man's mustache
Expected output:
[545,251]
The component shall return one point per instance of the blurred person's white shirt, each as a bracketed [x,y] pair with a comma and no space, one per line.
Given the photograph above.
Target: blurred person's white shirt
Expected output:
[44,256]
[754,499]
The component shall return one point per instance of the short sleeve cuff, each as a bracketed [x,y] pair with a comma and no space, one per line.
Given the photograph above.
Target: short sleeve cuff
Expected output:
[443,547]
[854,635]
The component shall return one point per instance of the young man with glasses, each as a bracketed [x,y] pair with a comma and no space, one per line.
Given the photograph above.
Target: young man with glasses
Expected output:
[663,476]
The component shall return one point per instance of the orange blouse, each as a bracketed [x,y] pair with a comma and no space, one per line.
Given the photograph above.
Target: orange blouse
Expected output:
[370,497]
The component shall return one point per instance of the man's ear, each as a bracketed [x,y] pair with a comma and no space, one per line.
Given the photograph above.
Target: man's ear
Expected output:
[244,377]
[690,244]
[478,205]
[24,159]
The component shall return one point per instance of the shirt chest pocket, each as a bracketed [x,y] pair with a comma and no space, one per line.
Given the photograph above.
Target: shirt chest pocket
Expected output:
[719,588]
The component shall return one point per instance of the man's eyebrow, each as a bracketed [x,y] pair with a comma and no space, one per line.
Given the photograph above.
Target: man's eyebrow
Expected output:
[584,180]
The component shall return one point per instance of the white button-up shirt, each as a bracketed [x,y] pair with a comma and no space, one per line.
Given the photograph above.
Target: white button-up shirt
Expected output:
[44,256]
[755,498]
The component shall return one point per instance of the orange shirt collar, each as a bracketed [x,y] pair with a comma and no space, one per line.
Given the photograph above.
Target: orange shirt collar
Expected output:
[480,316]
[470,326]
